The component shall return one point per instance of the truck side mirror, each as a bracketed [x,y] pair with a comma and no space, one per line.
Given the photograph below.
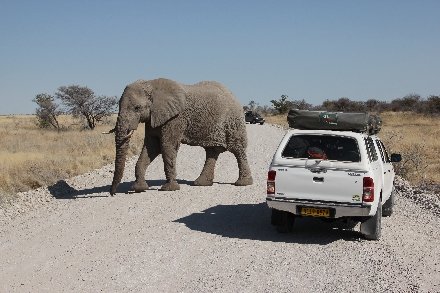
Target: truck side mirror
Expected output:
[395,158]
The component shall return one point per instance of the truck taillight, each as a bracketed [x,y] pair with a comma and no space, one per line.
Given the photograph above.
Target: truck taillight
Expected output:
[271,181]
[368,194]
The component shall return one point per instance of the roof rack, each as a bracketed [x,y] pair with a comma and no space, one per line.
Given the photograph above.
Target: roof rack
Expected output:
[341,121]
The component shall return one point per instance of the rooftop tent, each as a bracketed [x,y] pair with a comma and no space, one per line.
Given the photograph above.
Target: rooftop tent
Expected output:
[322,120]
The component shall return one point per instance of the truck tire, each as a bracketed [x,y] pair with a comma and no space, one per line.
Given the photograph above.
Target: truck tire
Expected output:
[276,217]
[282,220]
[388,206]
[253,122]
[371,226]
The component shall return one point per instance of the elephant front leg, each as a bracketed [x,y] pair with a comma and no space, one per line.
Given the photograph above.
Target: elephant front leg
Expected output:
[149,152]
[169,156]
[206,178]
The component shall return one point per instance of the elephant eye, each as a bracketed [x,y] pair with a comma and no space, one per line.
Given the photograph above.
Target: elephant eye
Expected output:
[137,108]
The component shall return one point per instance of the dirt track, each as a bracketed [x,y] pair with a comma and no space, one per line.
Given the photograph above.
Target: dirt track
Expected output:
[202,239]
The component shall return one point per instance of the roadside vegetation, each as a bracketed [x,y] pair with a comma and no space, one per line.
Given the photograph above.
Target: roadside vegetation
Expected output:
[38,150]
[31,157]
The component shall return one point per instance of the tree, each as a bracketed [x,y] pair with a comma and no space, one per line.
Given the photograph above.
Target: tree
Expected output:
[407,103]
[252,105]
[434,104]
[343,105]
[372,104]
[301,105]
[47,112]
[282,105]
[265,109]
[410,101]
[82,102]
[327,105]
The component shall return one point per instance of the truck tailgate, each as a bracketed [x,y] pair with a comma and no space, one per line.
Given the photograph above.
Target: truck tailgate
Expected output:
[331,185]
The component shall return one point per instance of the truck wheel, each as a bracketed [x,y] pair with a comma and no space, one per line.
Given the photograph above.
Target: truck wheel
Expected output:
[283,221]
[253,122]
[387,208]
[371,226]
[261,123]
[276,217]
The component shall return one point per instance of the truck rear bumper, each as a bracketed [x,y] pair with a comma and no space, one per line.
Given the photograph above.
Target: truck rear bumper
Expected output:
[340,209]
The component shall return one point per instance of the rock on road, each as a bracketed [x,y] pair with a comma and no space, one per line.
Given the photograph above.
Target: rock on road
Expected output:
[73,237]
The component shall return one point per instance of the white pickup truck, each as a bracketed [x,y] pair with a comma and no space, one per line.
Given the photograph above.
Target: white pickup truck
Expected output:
[331,175]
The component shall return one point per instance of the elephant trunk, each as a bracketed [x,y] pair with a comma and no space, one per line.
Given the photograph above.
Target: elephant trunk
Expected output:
[121,154]
[122,140]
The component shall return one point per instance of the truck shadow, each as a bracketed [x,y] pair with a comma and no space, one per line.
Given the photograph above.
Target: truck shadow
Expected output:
[252,221]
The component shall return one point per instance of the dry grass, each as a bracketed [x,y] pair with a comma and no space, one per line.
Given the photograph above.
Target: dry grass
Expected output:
[277,119]
[31,157]
[416,137]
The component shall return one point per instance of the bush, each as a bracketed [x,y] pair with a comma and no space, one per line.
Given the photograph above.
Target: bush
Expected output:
[47,112]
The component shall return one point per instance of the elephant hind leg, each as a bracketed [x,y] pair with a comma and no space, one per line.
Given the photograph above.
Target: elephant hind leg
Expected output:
[206,178]
[244,172]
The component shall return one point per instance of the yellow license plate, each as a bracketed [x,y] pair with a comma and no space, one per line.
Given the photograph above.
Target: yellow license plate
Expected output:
[315,212]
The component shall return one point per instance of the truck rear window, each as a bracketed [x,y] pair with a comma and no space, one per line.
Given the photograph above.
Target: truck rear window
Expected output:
[324,147]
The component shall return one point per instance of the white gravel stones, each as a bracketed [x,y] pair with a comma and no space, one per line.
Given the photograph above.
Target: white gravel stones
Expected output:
[73,237]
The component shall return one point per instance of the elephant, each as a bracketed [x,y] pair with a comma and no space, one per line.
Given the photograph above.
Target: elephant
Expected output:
[205,114]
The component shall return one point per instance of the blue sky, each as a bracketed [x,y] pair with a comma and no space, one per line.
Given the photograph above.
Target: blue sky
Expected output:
[311,50]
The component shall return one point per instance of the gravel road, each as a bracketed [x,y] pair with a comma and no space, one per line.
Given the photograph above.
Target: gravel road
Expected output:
[73,237]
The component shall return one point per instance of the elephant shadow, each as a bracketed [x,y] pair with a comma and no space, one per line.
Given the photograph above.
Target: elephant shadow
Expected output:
[252,221]
[62,189]
[157,184]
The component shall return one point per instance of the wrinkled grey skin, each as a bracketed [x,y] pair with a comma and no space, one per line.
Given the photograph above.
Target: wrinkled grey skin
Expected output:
[206,114]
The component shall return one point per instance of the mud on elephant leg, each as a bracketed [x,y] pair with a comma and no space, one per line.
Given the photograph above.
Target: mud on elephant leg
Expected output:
[244,172]
[149,152]
[206,178]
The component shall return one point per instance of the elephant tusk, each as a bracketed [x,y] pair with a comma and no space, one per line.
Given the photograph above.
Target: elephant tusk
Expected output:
[111,131]
[129,134]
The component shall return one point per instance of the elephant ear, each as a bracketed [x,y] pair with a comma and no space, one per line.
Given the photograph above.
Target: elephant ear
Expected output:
[168,100]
